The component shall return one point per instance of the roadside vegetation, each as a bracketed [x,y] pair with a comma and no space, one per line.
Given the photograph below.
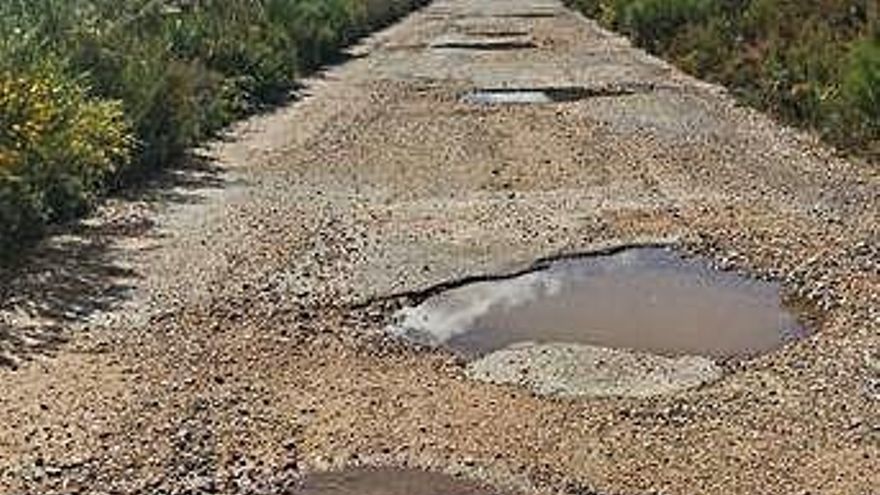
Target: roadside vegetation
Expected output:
[95,93]
[812,63]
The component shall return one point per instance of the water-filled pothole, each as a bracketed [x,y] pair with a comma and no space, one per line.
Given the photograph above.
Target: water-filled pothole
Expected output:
[501,96]
[494,43]
[508,97]
[528,15]
[486,33]
[644,299]
[388,482]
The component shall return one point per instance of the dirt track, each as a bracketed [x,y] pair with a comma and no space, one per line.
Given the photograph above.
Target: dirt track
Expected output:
[222,330]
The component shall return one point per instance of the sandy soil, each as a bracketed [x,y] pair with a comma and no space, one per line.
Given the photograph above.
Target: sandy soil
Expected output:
[220,331]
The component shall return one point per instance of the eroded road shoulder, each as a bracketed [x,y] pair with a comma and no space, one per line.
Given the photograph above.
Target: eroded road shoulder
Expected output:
[225,331]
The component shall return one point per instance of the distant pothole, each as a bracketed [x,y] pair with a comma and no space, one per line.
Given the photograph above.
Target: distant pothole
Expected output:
[544,95]
[527,15]
[497,34]
[388,481]
[638,321]
[487,44]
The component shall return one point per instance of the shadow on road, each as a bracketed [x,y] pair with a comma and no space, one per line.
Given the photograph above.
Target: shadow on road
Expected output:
[85,268]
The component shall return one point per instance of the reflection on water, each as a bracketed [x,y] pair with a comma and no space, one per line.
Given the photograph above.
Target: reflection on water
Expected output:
[648,299]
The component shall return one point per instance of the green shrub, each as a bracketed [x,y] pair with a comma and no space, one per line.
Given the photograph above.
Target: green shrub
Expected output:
[168,90]
[237,39]
[316,27]
[652,23]
[861,96]
[57,145]
[590,8]
[861,83]
[135,83]
[810,63]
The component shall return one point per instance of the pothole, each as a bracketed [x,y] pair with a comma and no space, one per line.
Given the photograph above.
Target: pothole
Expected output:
[508,97]
[497,34]
[646,299]
[502,96]
[527,15]
[388,482]
[638,321]
[493,43]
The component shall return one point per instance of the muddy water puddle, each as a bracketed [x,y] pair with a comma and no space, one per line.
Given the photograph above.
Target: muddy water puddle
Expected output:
[644,299]
[388,482]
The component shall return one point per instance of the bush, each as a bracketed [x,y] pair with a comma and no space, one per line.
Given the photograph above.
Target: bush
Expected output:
[653,23]
[57,145]
[237,39]
[861,94]
[861,83]
[181,74]
[590,8]
[317,27]
[135,83]
[811,63]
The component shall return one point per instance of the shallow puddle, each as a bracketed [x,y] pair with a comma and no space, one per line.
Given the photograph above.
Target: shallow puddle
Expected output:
[487,44]
[497,34]
[388,482]
[647,299]
[508,97]
[528,15]
[502,96]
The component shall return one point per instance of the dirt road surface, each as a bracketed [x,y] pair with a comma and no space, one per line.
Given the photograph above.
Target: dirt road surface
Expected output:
[221,330]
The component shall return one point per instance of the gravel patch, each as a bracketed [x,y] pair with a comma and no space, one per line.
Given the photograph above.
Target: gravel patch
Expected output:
[588,371]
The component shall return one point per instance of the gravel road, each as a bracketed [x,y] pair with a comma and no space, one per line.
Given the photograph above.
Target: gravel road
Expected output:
[221,330]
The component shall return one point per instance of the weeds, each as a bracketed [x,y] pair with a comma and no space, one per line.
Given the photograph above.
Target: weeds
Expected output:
[57,145]
[815,64]
[94,93]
